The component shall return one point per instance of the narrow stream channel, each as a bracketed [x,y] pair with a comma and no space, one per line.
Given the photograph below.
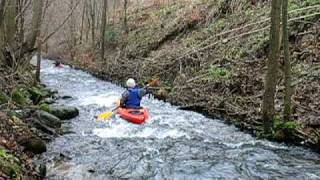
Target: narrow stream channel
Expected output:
[173,144]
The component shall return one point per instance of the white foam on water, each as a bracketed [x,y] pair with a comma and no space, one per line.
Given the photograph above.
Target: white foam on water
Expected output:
[128,130]
[106,100]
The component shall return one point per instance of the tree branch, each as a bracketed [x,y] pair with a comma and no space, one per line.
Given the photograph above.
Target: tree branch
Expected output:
[61,25]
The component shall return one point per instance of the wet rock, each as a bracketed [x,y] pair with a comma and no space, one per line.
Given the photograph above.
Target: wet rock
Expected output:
[44,128]
[48,101]
[49,119]
[51,91]
[64,112]
[37,94]
[33,144]
[40,168]
[66,97]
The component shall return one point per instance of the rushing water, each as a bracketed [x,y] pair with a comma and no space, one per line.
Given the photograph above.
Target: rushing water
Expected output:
[172,144]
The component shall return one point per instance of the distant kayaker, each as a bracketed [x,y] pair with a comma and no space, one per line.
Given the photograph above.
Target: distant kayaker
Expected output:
[131,98]
[57,64]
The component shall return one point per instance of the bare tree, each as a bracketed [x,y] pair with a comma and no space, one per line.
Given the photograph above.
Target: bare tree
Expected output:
[272,71]
[287,64]
[125,20]
[2,44]
[103,27]
[35,32]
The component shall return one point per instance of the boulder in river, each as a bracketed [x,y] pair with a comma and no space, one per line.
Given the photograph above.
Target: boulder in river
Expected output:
[49,119]
[33,144]
[63,112]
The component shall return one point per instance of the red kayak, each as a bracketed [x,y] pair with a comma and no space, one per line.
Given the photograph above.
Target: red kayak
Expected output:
[58,66]
[136,116]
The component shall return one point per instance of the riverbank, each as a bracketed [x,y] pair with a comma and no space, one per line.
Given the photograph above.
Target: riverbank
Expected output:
[211,57]
[28,121]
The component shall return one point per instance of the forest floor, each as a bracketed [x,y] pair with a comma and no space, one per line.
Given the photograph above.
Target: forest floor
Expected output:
[210,56]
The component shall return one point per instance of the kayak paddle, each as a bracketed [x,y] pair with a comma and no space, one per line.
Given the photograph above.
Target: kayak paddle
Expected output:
[106,115]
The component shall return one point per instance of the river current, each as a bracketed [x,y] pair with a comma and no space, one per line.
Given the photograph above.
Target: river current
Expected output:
[172,144]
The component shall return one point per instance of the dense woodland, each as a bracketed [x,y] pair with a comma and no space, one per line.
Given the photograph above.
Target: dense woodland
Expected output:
[253,63]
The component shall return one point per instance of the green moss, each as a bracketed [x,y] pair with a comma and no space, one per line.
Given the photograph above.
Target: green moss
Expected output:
[217,74]
[289,125]
[216,26]
[21,96]
[3,98]
[37,93]
[9,164]
[45,107]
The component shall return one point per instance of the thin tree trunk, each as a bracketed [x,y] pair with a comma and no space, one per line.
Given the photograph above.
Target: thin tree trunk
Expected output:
[92,14]
[2,44]
[10,21]
[271,75]
[82,21]
[38,60]
[21,20]
[125,20]
[103,27]
[35,32]
[287,64]
[73,40]
[2,5]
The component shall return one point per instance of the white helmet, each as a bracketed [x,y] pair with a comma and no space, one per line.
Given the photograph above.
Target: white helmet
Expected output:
[131,83]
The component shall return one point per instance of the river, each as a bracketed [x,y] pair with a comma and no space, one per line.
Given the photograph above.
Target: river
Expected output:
[172,144]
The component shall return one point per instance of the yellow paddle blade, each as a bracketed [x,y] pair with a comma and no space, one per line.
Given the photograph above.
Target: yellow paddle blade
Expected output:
[105,115]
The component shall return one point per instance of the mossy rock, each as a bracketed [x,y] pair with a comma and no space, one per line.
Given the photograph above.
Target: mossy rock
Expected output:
[33,144]
[9,164]
[21,97]
[3,98]
[49,119]
[45,107]
[21,114]
[37,94]
[62,112]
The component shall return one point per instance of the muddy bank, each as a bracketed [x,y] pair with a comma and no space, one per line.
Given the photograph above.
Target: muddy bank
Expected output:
[28,121]
[213,60]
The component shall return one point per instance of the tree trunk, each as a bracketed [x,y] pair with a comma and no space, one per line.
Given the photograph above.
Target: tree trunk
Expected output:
[125,20]
[2,44]
[2,5]
[36,23]
[93,22]
[10,21]
[35,32]
[38,60]
[103,27]
[73,39]
[9,30]
[82,21]
[287,64]
[271,75]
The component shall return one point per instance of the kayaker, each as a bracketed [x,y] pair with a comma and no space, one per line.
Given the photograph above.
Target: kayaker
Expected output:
[131,98]
[57,64]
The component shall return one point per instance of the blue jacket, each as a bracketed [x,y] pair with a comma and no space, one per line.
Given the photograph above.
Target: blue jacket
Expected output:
[132,97]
